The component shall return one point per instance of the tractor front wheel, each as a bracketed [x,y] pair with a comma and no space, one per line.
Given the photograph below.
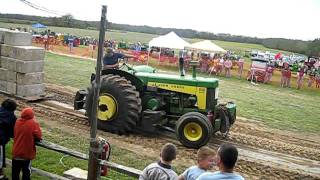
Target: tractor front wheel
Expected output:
[194,130]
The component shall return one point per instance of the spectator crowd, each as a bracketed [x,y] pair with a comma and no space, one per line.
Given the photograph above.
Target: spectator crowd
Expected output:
[224,159]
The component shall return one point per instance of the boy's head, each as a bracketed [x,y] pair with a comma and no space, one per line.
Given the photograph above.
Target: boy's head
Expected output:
[9,105]
[27,113]
[227,156]
[205,157]
[168,152]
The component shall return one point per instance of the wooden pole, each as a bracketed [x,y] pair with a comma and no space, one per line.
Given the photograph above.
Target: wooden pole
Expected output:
[95,147]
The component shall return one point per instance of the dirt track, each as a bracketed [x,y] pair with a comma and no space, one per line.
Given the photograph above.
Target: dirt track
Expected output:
[264,153]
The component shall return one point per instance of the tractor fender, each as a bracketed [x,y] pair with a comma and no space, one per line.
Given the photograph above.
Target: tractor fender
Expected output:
[133,79]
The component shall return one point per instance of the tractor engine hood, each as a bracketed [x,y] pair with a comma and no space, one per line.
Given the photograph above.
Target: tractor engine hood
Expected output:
[178,80]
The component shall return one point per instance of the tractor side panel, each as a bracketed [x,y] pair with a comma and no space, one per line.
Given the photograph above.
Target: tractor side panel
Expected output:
[200,92]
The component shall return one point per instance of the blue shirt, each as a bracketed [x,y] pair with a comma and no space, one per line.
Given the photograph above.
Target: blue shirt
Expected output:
[219,175]
[192,173]
[111,60]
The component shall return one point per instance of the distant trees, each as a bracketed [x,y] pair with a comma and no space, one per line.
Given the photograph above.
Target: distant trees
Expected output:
[314,48]
[68,19]
[298,46]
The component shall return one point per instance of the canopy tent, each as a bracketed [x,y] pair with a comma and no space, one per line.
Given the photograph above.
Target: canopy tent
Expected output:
[205,45]
[170,40]
[38,25]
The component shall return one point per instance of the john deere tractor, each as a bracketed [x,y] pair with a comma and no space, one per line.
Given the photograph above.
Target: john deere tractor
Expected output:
[140,98]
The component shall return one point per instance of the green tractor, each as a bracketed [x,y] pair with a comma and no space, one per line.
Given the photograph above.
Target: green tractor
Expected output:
[137,97]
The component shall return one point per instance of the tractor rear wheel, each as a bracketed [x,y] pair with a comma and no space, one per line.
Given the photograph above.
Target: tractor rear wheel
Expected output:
[119,105]
[194,130]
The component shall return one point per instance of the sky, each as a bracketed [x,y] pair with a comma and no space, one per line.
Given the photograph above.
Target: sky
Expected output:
[293,19]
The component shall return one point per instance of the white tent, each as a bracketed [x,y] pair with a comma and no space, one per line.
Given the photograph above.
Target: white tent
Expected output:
[206,45]
[170,40]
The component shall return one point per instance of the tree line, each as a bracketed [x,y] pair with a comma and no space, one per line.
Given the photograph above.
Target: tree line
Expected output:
[309,48]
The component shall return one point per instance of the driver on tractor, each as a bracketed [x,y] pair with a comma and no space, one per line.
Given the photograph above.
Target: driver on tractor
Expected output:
[111,59]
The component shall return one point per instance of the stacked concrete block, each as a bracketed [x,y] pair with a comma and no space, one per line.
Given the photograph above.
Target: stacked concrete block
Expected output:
[2,32]
[17,38]
[21,65]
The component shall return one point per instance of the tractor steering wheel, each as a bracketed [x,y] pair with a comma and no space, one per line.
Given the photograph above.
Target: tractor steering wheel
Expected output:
[124,66]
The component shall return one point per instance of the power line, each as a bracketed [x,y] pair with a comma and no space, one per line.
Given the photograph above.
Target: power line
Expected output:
[41,8]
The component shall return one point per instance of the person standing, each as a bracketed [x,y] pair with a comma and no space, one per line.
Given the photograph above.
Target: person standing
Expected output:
[220,66]
[312,75]
[7,121]
[288,77]
[228,65]
[162,169]
[285,75]
[300,77]
[26,132]
[240,67]
[70,43]
[226,159]
[46,41]
[269,72]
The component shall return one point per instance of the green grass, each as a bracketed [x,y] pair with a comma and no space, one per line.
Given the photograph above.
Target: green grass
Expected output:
[282,108]
[239,48]
[68,71]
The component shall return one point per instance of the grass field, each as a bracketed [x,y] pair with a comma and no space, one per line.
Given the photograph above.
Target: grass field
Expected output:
[239,48]
[281,108]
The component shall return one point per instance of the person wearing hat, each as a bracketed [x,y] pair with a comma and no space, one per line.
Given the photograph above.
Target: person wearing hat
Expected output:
[111,59]
[26,132]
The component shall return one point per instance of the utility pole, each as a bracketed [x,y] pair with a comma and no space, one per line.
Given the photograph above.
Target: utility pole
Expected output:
[95,146]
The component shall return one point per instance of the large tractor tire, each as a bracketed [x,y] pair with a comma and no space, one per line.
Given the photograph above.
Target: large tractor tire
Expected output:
[194,130]
[119,105]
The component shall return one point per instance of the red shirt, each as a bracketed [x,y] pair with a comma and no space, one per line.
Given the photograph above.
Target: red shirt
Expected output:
[288,73]
[26,131]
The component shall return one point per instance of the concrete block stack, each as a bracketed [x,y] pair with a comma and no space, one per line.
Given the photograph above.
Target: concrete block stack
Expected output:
[21,65]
